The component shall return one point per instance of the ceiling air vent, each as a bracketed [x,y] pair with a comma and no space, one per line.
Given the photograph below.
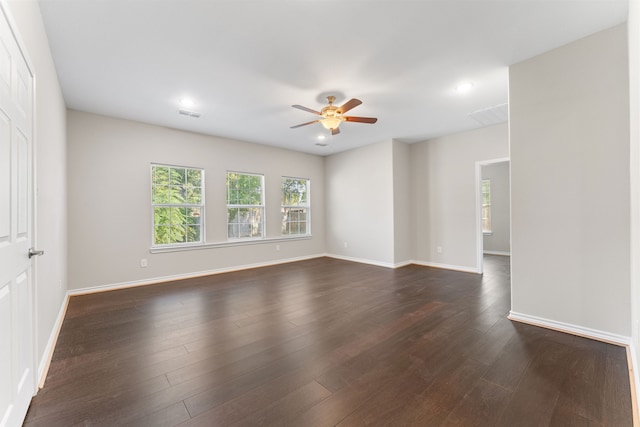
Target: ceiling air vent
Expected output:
[189,113]
[492,115]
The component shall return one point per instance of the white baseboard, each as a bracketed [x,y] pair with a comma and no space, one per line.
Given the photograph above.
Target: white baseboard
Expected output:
[402,264]
[45,362]
[462,268]
[162,279]
[634,380]
[497,253]
[364,261]
[571,329]
[155,280]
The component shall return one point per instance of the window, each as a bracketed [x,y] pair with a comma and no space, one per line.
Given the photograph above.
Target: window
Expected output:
[177,198]
[245,205]
[295,206]
[486,206]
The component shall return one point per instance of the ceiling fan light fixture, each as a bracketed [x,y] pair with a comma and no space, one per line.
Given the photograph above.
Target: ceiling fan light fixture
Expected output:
[330,123]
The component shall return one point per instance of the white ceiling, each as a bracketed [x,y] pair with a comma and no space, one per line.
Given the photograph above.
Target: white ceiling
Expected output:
[246,62]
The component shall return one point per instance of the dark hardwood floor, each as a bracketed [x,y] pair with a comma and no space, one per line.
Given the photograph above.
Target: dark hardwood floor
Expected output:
[325,342]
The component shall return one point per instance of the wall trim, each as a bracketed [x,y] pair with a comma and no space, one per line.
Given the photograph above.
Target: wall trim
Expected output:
[366,261]
[497,253]
[163,279]
[227,244]
[634,381]
[45,362]
[461,268]
[569,328]
[402,264]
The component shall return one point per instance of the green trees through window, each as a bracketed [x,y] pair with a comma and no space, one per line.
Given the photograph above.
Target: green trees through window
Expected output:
[245,205]
[295,206]
[177,197]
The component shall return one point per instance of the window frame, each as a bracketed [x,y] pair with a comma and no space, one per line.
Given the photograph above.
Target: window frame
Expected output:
[486,207]
[306,206]
[261,206]
[201,206]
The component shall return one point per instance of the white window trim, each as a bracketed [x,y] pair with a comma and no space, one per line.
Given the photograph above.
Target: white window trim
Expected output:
[230,243]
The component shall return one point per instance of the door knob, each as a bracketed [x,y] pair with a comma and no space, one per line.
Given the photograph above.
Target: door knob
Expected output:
[33,252]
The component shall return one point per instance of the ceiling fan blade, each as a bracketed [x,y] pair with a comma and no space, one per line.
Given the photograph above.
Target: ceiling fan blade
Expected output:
[349,105]
[335,131]
[300,107]
[360,119]
[304,124]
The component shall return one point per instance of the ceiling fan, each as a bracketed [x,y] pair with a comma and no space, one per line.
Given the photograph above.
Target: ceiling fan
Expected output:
[332,116]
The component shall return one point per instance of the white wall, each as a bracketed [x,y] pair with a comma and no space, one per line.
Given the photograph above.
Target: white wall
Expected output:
[569,127]
[402,212]
[50,151]
[109,200]
[499,241]
[444,192]
[634,105]
[359,204]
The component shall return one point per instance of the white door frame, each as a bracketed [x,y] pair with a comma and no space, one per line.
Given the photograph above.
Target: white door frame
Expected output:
[479,234]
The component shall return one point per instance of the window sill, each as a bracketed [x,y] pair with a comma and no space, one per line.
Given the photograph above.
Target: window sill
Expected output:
[487,233]
[231,243]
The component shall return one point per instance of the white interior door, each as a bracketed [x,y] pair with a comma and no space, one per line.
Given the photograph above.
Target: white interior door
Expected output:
[17,383]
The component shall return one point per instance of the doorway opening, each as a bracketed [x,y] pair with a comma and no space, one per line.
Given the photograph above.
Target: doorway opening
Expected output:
[493,209]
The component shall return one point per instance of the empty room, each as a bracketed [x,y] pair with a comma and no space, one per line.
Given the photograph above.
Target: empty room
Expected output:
[319,213]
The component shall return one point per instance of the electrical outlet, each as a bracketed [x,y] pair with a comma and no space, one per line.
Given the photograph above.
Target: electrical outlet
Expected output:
[277,247]
[143,263]
[345,245]
[439,249]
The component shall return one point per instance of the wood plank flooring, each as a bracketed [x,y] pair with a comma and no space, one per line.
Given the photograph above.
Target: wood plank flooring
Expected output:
[325,342]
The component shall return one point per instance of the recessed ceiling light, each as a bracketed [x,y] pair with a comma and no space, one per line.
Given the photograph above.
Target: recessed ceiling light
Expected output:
[464,87]
[321,137]
[187,103]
